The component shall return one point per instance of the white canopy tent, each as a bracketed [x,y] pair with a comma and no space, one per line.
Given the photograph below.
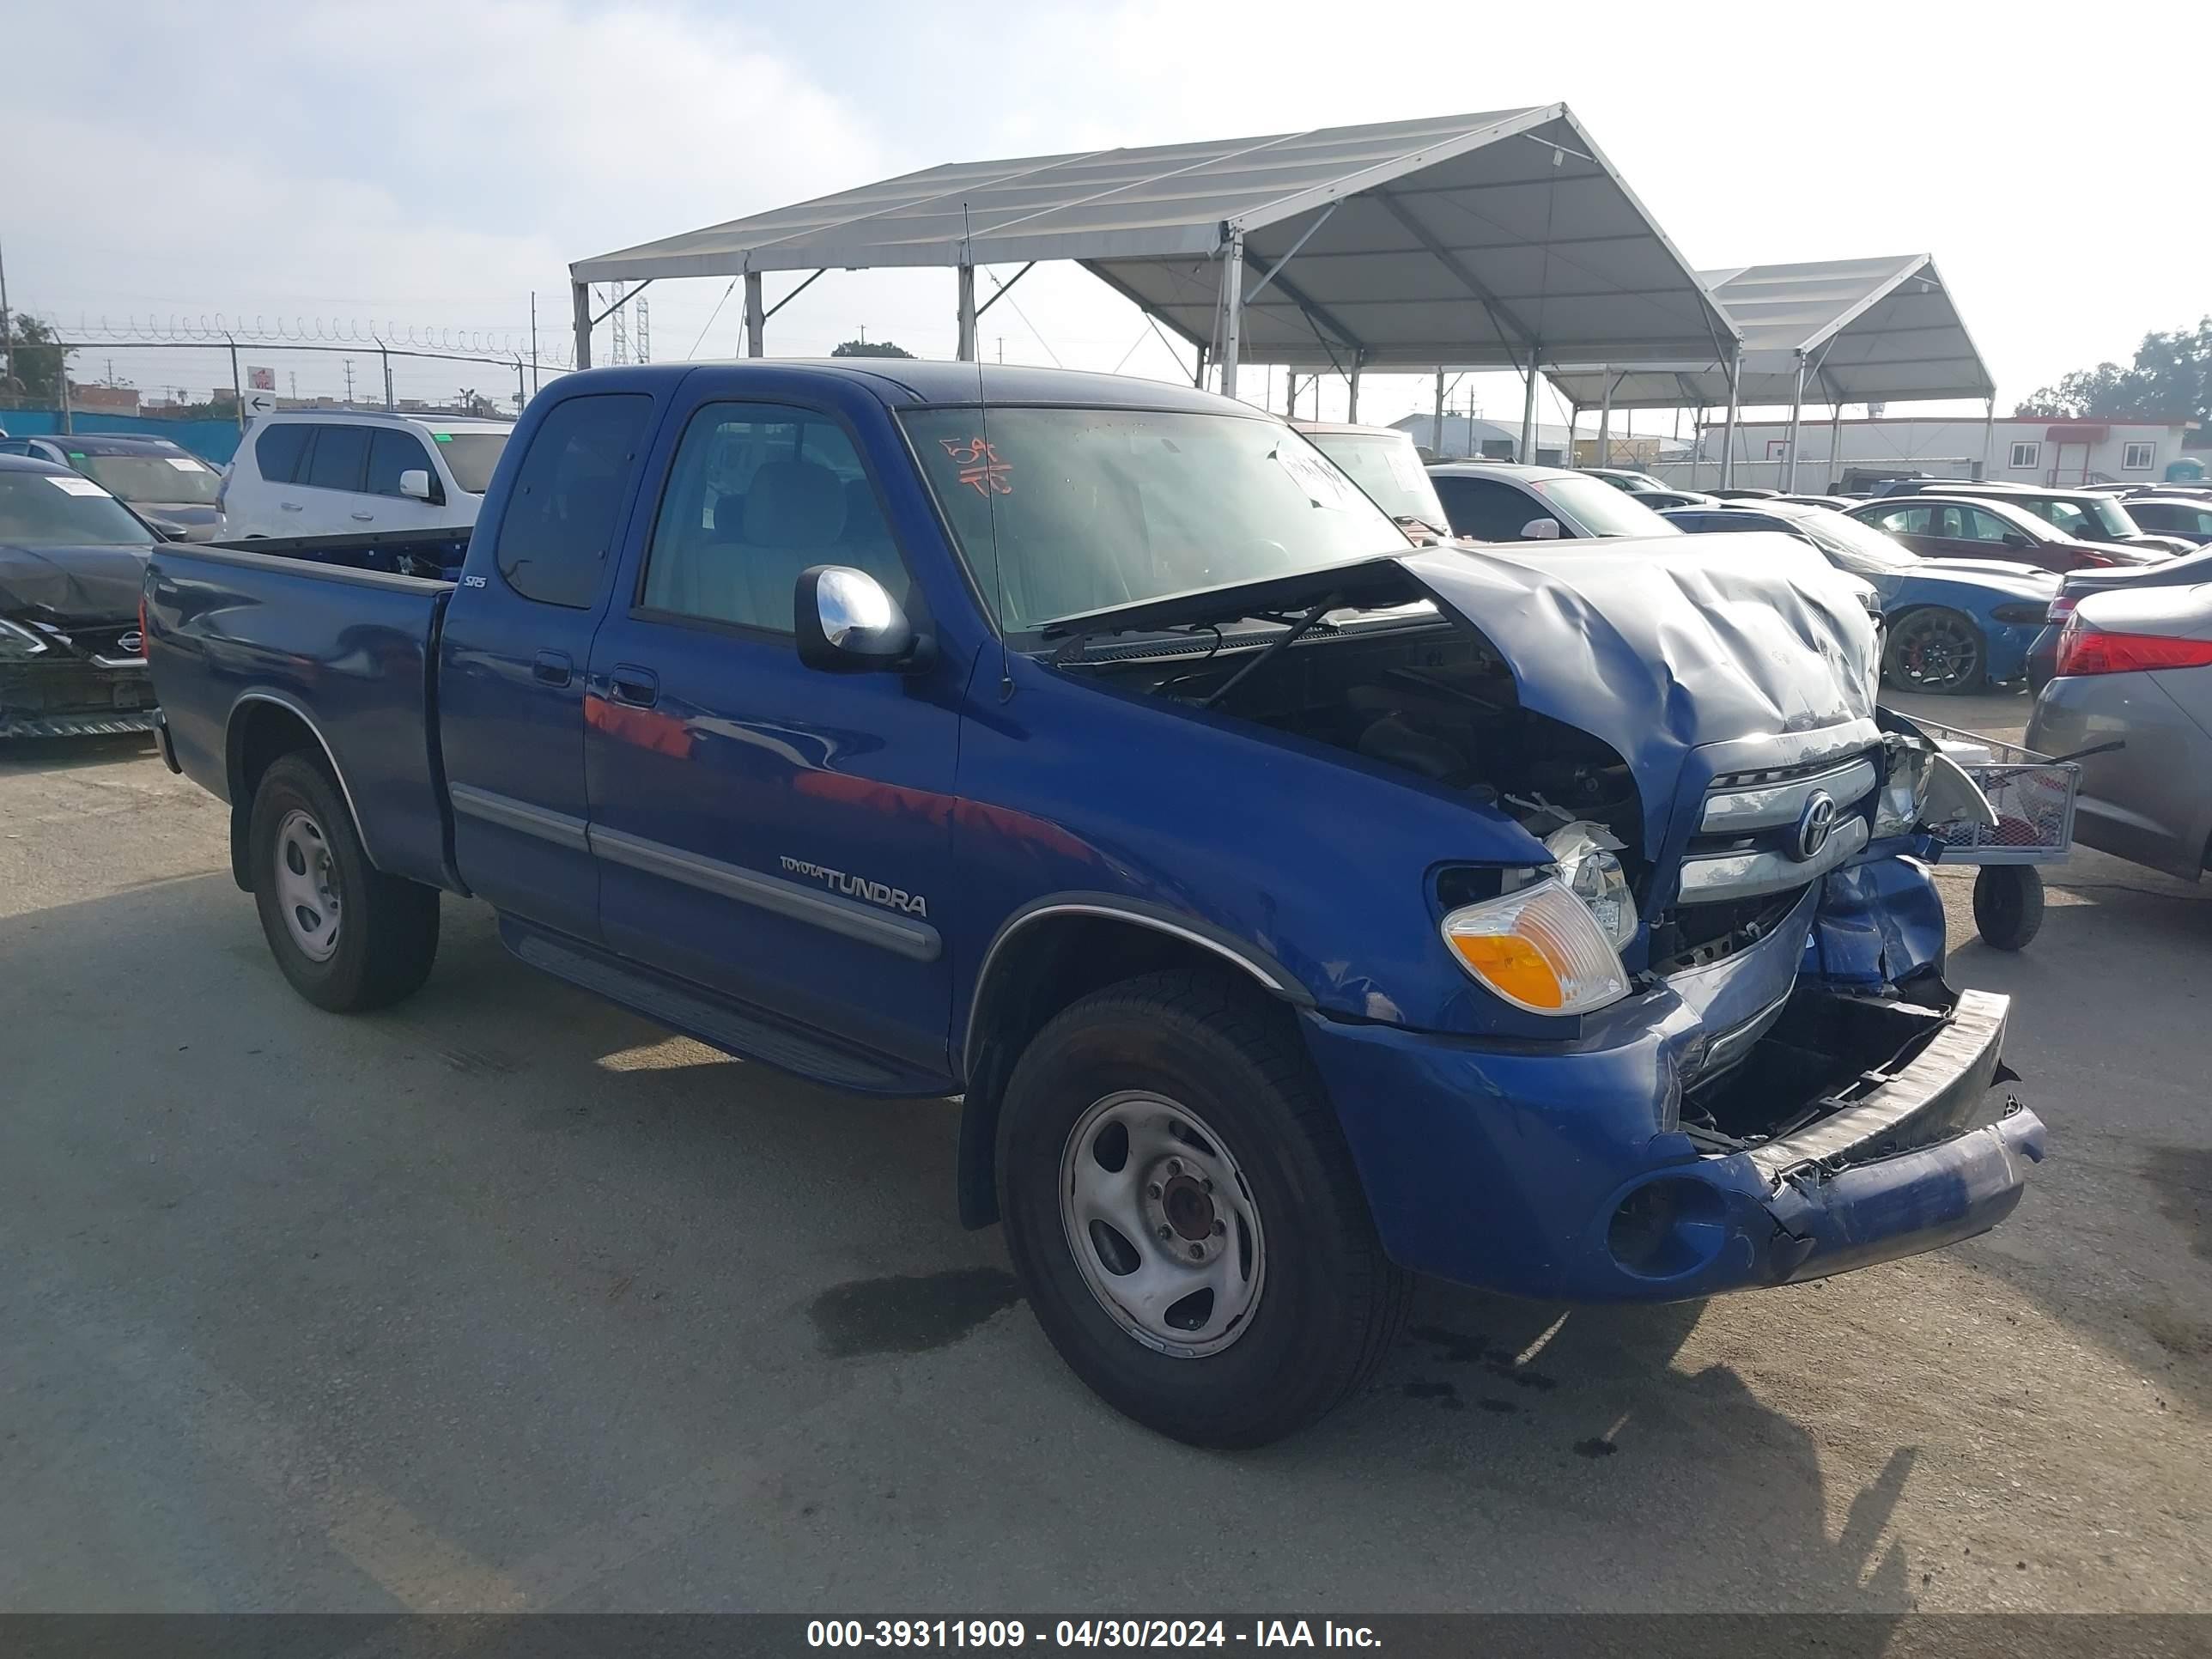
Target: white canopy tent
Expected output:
[1496,241]
[1843,330]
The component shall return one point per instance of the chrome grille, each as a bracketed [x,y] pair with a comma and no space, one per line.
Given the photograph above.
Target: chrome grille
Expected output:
[1748,841]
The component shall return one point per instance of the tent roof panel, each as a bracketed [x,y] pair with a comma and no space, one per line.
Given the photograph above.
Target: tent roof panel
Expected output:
[1460,239]
[1868,331]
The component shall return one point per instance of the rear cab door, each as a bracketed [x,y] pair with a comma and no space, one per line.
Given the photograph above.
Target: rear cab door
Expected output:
[778,834]
[517,641]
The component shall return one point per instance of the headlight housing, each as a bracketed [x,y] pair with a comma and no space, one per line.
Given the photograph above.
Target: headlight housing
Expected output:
[18,643]
[1589,869]
[1904,786]
[1540,948]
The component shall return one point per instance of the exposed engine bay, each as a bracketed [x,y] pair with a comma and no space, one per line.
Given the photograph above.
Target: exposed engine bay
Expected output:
[1434,701]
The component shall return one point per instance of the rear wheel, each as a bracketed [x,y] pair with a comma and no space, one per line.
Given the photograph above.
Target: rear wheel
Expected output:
[1935,649]
[2007,905]
[1184,1215]
[348,936]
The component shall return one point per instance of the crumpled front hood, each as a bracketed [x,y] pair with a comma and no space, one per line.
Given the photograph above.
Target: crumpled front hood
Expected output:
[1658,648]
[71,586]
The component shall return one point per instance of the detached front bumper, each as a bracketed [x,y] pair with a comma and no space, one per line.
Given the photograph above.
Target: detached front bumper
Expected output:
[1562,1173]
[74,696]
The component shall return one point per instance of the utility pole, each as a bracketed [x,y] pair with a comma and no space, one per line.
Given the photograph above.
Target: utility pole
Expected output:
[534,342]
[349,378]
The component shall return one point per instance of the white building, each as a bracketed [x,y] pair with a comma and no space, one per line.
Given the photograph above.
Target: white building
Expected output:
[2015,449]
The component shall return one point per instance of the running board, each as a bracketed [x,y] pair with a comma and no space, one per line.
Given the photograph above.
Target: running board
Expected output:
[711,1022]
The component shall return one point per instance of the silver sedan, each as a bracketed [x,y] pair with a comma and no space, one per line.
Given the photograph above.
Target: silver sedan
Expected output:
[2135,669]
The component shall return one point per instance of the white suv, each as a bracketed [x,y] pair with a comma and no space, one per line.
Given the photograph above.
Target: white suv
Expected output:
[311,473]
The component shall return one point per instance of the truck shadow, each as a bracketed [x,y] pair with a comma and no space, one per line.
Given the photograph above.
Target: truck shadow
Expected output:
[68,754]
[531,1234]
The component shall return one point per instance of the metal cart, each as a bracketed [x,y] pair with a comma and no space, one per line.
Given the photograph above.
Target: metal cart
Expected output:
[2032,795]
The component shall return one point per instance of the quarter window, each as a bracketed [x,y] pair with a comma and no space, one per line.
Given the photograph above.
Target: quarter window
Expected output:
[278,451]
[561,518]
[758,493]
[2137,457]
[2025,457]
[1485,509]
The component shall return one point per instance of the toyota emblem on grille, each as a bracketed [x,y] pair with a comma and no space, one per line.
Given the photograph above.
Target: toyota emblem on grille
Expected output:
[1814,825]
[132,644]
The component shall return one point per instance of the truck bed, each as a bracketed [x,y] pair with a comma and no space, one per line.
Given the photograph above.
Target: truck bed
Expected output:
[351,652]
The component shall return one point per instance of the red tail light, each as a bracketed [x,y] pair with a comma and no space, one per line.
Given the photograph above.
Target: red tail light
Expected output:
[2087,650]
[141,622]
[2084,559]
[2060,608]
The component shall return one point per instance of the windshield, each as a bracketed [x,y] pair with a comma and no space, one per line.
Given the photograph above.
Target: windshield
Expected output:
[59,509]
[152,477]
[1599,510]
[2109,516]
[1858,547]
[1634,484]
[1062,511]
[471,456]
[1385,466]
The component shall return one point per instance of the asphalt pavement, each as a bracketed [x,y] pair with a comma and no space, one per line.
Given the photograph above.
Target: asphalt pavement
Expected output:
[503,1299]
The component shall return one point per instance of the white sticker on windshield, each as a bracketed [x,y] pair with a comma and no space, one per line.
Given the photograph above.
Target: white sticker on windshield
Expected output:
[1405,467]
[77,486]
[185,464]
[1323,484]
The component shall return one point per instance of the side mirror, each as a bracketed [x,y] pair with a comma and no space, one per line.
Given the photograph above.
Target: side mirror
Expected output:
[415,484]
[1540,530]
[2013,538]
[847,623]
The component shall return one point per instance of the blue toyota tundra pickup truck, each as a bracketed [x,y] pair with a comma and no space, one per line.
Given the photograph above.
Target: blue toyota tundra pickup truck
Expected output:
[1294,910]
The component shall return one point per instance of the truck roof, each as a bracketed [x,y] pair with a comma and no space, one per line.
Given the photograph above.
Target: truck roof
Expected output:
[908,381]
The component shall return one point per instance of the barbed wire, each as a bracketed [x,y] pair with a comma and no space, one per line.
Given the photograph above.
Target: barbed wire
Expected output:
[219,328]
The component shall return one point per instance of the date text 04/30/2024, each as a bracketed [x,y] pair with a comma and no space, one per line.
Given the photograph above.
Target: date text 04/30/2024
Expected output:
[1084,1634]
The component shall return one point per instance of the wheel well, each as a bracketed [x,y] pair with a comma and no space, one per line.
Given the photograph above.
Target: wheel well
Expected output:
[1035,972]
[261,734]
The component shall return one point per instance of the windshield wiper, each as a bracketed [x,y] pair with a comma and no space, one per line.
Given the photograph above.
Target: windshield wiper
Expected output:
[1283,641]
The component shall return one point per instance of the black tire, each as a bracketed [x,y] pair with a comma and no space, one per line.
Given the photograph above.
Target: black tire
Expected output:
[2007,905]
[387,936]
[1917,629]
[1330,1301]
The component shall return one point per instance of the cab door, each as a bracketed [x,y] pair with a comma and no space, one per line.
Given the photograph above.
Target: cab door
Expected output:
[517,642]
[778,834]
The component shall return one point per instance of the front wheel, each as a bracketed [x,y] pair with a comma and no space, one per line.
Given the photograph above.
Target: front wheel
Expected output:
[1935,649]
[348,936]
[1184,1215]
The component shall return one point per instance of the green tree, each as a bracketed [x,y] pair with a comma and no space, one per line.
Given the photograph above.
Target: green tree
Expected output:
[870,348]
[2171,375]
[33,374]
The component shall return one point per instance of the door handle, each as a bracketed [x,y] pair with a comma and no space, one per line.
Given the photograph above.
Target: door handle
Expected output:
[639,687]
[552,668]
[365,517]
[290,507]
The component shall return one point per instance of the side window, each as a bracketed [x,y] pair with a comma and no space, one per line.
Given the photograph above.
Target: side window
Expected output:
[1985,527]
[2065,516]
[340,455]
[559,521]
[278,450]
[1485,509]
[392,452]
[757,495]
[1907,521]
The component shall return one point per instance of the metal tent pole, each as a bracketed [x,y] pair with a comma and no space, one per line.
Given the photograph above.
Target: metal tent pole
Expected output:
[1727,433]
[1351,409]
[1232,309]
[1574,426]
[1290,394]
[1988,435]
[1437,432]
[1605,419]
[965,349]
[755,317]
[1796,419]
[1836,447]
[579,306]
[237,385]
[1528,415]
[69,415]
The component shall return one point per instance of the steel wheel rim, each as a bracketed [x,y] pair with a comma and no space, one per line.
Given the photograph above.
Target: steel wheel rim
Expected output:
[1956,654]
[306,886]
[1168,1237]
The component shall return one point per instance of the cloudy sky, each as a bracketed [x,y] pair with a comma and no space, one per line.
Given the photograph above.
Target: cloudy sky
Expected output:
[431,165]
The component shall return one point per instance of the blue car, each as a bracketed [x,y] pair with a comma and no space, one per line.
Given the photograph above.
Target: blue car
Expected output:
[1955,625]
